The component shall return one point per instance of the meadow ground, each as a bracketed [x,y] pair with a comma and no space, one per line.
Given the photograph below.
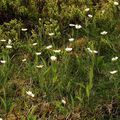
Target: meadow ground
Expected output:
[59,60]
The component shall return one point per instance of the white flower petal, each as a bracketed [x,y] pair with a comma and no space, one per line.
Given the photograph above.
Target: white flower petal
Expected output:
[9,46]
[57,51]
[24,29]
[23,60]
[34,44]
[38,53]
[49,47]
[114,58]
[87,9]
[51,34]
[92,51]
[30,93]
[63,101]
[3,61]
[89,50]
[53,58]
[71,39]
[103,32]
[90,16]
[103,11]
[40,19]
[72,25]
[116,3]
[68,49]
[3,40]
[39,66]
[113,72]
[78,26]
[9,41]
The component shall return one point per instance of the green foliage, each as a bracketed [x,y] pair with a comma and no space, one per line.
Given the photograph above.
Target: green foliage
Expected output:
[11,30]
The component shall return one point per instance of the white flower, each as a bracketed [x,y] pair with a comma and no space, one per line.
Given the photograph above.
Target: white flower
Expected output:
[53,58]
[38,53]
[40,19]
[68,49]
[103,11]
[113,72]
[57,51]
[34,44]
[71,39]
[87,9]
[49,47]
[39,66]
[23,60]
[3,61]
[24,29]
[90,16]
[1,119]
[103,32]
[51,34]
[71,25]
[9,41]
[89,50]
[114,58]
[78,26]
[30,93]
[9,46]
[116,3]
[3,40]
[92,51]
[63,101]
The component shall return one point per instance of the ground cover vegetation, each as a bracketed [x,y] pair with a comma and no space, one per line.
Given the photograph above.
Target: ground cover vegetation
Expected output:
[59,60]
